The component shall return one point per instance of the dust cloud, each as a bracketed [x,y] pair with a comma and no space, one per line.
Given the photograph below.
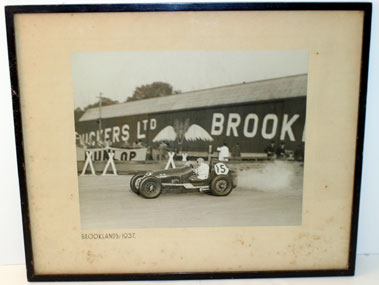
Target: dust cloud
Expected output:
[276,176]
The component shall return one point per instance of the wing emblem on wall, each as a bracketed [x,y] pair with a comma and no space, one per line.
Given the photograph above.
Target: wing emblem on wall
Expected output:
[195,132]
[166,134]
[192,133]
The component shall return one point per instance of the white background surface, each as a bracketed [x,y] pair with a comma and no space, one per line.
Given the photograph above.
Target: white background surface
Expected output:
[11,240]
[366,274]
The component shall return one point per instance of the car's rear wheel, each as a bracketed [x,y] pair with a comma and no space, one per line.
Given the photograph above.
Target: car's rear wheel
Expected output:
[150,187]
[135,182]
[221,186]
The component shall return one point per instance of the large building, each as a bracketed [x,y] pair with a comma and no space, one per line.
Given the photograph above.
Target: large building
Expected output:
[251,114]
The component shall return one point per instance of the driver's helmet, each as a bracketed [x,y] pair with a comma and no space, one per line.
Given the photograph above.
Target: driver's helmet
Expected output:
[200,160]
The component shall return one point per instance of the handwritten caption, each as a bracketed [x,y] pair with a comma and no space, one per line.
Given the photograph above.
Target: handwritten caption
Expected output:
[111,236]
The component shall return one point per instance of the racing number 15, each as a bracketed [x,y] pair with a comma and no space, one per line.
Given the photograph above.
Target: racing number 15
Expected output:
[221,169]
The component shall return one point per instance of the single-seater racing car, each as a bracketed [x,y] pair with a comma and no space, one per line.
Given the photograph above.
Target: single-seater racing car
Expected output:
[220,182]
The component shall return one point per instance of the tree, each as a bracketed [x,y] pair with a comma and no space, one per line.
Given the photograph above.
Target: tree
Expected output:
[78,112]
[155,89]
[105,101]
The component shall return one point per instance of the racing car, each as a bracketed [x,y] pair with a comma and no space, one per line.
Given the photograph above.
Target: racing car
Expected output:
[220,182]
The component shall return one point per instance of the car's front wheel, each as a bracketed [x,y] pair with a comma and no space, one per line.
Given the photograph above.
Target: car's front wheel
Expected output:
[135,182]
[221,186]
[150,187]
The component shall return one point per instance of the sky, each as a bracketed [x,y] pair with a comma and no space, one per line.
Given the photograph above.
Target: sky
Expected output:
[117,74]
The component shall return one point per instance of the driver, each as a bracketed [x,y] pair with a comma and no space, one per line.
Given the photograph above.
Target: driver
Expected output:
[202,170]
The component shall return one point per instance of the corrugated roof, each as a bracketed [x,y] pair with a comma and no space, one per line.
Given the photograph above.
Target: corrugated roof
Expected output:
[284,87]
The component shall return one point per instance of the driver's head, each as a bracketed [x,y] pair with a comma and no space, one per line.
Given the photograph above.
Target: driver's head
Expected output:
[200,160]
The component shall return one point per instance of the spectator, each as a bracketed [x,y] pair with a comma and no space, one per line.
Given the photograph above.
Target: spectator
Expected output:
[99,144]
[281,151]
[224,153]
[137,144]
[149,153]
[237,152]
[162,150]
[107,143]
[270,150]
[299,153]
[125,144]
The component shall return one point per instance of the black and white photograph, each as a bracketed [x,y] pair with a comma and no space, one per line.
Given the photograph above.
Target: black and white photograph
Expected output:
[190,138]
[188,141]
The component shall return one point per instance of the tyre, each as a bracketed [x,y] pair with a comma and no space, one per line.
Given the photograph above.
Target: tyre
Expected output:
[221,186]
[150,187]
[135,182]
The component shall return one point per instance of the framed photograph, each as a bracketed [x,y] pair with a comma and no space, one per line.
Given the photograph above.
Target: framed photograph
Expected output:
[189,141]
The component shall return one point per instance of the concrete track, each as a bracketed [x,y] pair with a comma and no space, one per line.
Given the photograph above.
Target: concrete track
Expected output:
[106,202]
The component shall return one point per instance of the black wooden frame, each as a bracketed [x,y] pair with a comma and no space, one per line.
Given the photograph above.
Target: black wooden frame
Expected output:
[11,11]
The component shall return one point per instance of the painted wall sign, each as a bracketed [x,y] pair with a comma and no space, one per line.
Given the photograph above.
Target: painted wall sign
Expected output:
[252,125]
